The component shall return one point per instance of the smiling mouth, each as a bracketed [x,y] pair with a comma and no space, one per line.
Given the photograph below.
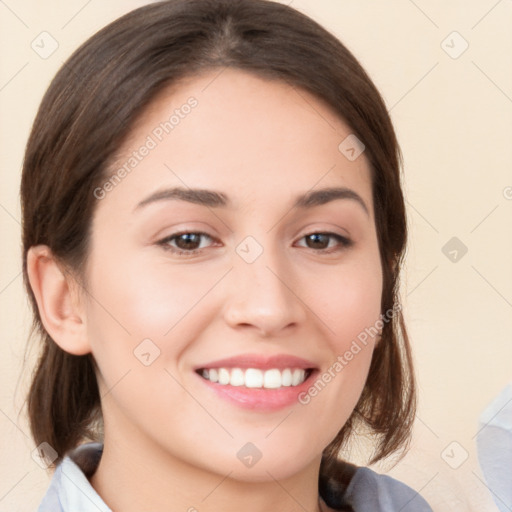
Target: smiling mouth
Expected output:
[256,378]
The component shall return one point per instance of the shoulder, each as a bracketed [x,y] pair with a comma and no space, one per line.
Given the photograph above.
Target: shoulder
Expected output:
[344,486]
[70,489]
[371,491]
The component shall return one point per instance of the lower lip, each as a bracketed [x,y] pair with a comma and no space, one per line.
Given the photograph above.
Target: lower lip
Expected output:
[260,399]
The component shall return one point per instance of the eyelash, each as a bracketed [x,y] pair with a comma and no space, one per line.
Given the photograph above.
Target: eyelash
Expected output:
[164,243]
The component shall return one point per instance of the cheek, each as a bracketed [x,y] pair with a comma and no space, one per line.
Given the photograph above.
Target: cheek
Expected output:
[349,305]
[149,296]
[348,301]
[136,300]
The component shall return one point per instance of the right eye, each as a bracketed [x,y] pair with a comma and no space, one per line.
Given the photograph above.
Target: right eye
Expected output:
[186,242]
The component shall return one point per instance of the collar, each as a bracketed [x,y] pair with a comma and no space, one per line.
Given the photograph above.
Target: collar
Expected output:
[368,491]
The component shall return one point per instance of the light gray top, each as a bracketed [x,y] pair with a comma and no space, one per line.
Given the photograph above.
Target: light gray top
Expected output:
[494,442]
[71,491]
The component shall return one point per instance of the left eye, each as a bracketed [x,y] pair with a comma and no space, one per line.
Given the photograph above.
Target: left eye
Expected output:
[186,243]
[322,238]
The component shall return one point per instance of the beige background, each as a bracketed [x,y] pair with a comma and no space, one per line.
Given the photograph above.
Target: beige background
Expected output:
[454,121]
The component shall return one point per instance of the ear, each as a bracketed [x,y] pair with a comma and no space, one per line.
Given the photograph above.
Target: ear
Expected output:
[58,301]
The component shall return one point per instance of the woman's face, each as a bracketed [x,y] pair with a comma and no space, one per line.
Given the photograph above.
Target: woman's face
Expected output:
[250,281]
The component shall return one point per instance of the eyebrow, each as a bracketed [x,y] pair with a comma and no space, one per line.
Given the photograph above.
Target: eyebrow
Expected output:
[215,199]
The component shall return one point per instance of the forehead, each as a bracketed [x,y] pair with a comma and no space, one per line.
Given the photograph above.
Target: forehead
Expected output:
[261,141]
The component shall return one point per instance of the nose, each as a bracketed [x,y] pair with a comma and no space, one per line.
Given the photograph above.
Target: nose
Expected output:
[264,296]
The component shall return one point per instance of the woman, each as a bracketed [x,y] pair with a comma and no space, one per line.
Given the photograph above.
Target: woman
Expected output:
[213,227]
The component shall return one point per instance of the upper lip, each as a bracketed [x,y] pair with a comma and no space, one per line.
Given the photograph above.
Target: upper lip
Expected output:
[279,361]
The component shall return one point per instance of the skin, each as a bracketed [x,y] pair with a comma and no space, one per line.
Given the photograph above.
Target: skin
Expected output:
[170,443]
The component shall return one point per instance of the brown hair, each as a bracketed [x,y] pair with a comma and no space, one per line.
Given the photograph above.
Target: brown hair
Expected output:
[89,110]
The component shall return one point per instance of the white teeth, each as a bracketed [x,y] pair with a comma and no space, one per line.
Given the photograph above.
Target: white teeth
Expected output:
[272,379]
[297,377]
[237,377]
[256,378]
[286,377]
[223,376]
[253,378]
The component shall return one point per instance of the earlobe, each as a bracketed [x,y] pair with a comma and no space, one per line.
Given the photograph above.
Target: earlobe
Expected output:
[58,303]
